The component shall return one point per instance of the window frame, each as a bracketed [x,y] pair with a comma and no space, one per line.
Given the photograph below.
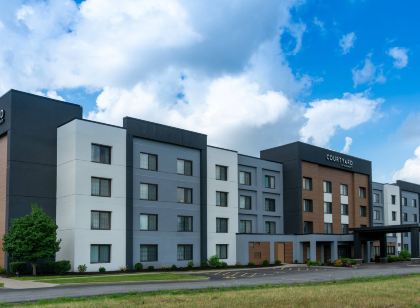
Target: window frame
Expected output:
[246,223]
[218,250]
[183,248]
[148,221]
[269,181]
[363,211]
[346,207]
[247,175]
[328,228]
[344,189]
[101,146]
[311,207]
[181,221]
[149,155]
[270,227]
[268,202]
[148,253]
[245,197]
[187,195]
[219,224]
[308,223]
[99,253]
[219,173]
[307,180]
[327,187]
[100,212]
[183,161]
[148,191]
[219,198]
[100,187]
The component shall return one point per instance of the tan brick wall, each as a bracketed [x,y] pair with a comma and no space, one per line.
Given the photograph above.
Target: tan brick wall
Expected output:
[3,174]
[319,174]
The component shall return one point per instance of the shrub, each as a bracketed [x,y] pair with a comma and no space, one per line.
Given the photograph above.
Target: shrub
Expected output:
[265,263]
[174,267]
[277,262]
[223,265]
[102,269]
[20,268]
[312,263]
[151,268]
[190,264]
[405,255]
[62,267]
[214,261]
[138,267]
[2,271]
[251,264]
[82,268]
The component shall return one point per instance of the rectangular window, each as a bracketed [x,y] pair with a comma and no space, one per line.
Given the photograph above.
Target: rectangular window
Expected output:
[184,167]
[393,199]
[221,198]
[363,211]
[184,195]
[344,228]
[100,220]
[148,192]
[394,216]
[344,190]
[270,205]
[222,225]
[101,154]
[405,217]
[362,192]
[404,201]
[185,224]
[148,253]
[100,253]
[414,203]
[308,227]
[244,178]
[222,251]
[376,215]
[307,183]
[270,227]
[376,198]
[327,208]
[344,209]
[245,226]
[100,187]
[148,161]
[327,187]
[308,205]
[405,234]
[415,217]
[245,202]
[221,173]
[269,181]
[328,228]
[148,222]
[390,250]
[185,252]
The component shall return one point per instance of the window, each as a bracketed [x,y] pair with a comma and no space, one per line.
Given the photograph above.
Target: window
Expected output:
[222,251]
[221,198]
[100,187]
[148,161]
[344,190]
[185,223]
[405,217]
[376,198]
[148,222]
[148,192]
[308,205]
[327,187]
[222,225]
[405,234]
[344,228]
[221,173]
[327,208]
[185,252]
[100,220]
[101,154]
[390,250]
[363,211]
[308,227]
[328,228]
[270,227]
[245,226]
[269,181]
[245,202]
[184,195]
[393,199]
[344,209]
[404,201]
[394,216]
[244,178]
[376,215]
[184,167]
[270,205]
[362,192]
[100,253]
[414,203]
[307,183]
[148,253]
[415,217]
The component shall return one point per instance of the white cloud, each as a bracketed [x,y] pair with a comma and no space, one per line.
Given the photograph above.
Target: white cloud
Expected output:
[319,23]
[369,73]
[324,117]
[400,56]
[346,42]
[411,169]
[50,94]
[348,143]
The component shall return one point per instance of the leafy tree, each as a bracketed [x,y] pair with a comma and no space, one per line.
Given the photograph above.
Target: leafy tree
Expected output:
[32,238]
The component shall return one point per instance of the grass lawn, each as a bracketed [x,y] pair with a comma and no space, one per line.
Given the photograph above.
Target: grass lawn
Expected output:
[395,291]
[113,278]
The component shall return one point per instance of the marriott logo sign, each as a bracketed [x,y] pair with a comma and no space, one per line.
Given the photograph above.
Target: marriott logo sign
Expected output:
[344,162]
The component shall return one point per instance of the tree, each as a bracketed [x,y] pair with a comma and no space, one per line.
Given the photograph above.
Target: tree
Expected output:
[32,238]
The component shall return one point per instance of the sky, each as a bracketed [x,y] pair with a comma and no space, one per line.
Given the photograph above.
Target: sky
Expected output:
[250,74]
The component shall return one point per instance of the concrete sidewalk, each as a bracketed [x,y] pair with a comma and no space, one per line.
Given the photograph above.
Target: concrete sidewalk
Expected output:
[24,284]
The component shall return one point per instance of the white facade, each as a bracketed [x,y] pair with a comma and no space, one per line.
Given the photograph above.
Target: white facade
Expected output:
[74,200]
[391,207]
[216,156]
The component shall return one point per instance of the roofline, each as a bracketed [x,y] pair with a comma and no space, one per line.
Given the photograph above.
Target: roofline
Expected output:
[224,149]
[41,96]
[91,121]
[255,157]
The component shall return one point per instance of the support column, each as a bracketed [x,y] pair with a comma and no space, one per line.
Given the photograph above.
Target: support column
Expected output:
[415,249]
[383,247]
[334,251]
[357,246]
[312,247]
[369,250]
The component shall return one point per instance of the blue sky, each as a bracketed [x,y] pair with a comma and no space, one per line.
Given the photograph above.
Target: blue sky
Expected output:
[250,74]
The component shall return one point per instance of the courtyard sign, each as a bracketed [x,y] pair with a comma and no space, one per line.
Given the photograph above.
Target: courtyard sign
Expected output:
[344,162]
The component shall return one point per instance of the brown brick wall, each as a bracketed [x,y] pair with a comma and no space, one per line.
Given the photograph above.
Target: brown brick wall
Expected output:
[3,174]
[319,174]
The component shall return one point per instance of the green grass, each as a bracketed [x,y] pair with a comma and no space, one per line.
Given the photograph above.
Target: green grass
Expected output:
[113,278]
[392,291]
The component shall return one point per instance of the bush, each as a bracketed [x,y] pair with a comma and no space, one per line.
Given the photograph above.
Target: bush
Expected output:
[223,265]
[174,267]
[265,263]
[138,267]
[344,262]
[405,255]
[102,269]
[312,263]
[251,264]
[2,271]
[277,262]
[20,268]
[214,261]
[82,268]
[190,264]
[151,268]
[61,267]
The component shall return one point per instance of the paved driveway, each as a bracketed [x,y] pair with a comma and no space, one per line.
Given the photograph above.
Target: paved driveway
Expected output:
[218,279]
